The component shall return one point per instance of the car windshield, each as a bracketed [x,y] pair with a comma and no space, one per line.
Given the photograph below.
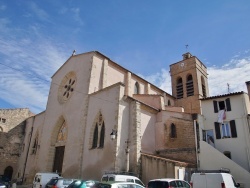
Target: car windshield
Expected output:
[158,184]
[53,181]
[101,185]
[67,181]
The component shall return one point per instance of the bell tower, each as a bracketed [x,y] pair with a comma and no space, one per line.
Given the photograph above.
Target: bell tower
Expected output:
[189,83]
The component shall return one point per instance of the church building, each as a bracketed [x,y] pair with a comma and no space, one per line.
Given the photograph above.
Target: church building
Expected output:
[101,117]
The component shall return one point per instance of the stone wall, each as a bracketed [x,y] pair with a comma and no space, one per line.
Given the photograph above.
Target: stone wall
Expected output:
[11,138]
[182,146]
[9,118]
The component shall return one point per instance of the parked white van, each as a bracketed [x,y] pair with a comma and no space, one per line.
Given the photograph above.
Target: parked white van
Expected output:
[42,178]
[121,177]
[214,180]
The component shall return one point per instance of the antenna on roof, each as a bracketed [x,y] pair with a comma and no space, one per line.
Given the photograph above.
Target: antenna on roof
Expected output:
[228,88]
[186,47]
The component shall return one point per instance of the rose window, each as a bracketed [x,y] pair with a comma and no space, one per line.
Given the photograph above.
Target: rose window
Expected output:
[69,88]
[66,87]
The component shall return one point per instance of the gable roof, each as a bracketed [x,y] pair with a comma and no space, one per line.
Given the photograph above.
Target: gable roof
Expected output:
[224,95]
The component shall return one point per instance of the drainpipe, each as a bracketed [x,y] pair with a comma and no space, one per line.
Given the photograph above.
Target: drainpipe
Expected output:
[27,154]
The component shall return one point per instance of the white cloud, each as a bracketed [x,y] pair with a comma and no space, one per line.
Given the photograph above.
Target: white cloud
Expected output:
[26,68]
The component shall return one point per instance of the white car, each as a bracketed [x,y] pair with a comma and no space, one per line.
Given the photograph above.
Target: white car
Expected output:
[206,180]
[121,177]
[117,185]
[168,183]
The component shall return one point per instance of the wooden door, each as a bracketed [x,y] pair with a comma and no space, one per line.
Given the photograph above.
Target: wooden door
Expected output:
[58,160]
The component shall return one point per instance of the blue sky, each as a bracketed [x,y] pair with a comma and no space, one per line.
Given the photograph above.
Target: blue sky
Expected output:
[144,36]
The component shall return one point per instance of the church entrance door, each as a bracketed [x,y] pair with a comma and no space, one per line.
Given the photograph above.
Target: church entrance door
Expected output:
[58,160]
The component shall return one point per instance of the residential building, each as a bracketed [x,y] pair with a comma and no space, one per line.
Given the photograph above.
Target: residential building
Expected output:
[225,135]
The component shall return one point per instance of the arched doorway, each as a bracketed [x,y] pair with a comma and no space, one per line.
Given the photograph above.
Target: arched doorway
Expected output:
[8,171]
[59,138]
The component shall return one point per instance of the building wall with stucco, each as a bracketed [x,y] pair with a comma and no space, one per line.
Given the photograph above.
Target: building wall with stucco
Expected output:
[230,147]
[87,92]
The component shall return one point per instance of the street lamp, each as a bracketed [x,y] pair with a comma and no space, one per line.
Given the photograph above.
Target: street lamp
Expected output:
[113,134]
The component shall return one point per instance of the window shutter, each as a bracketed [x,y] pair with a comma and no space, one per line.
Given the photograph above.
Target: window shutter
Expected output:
[233,129]
[228,105]
[215,107]
[217,130]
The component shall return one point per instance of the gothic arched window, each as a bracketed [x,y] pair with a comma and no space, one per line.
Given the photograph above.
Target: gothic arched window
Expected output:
[137,88]
[102,136]
[62,135]
[179,88]
[98,133]
[95,137]
[173,131]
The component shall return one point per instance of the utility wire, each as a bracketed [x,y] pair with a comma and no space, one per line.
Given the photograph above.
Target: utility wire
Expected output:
[44,80]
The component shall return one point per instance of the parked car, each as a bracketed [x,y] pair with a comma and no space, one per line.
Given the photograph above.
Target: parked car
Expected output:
[82,184]
[121,177]
[215,180]
[2,185]
[118,185]
[168,183]
[41,179]
[59,182]
[5,180]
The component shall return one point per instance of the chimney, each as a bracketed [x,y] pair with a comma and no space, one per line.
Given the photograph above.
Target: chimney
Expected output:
[248,88]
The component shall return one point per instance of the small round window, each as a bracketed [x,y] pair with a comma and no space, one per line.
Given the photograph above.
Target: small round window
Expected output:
[67,87]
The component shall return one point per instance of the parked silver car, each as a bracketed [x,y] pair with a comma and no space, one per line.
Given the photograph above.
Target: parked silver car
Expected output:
[59,183]
[167,183]
[82,184]
[118,185]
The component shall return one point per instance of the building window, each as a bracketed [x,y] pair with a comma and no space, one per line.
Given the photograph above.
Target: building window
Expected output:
[62,135]
[101,145]
[203,86]
[137,88]
[3,120]
[225,130]
[173,131]
[169,103]
[190,86]
[222,105]
[228,154]
[179,88]
[95,137]
[98,133]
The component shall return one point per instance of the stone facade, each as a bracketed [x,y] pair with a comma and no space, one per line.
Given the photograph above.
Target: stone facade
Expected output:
[92,86]
[11,139]
[189,83]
